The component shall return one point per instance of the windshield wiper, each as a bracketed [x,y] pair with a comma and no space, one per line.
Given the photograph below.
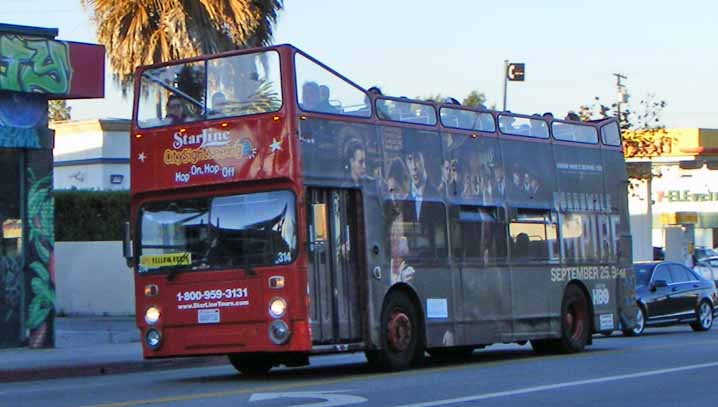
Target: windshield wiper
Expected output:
[172,272]
[248,267]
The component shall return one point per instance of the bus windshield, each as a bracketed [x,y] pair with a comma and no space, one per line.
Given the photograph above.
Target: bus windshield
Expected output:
[257,229]
[216,88]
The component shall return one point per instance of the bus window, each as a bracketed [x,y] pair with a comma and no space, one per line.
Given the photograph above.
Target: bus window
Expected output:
[478,235]
[172,95]
[533,236]
[405,112]
[243,85]
[320,90]
[247,230]
[610,134]
[580,237]
[467,119]
[523,126]
[574,132]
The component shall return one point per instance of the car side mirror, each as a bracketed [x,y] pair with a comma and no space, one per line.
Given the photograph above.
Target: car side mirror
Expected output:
[658,284]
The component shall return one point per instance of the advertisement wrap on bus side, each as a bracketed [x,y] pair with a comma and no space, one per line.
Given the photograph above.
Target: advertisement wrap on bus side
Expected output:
[568,273]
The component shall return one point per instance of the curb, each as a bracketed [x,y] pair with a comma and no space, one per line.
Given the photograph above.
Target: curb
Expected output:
[108,368]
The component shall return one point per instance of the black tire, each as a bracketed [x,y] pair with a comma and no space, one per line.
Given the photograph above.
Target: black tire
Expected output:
[402,342]
[251,365]
[575,325]
[545,346]
[455,353]
[704,317]
[640,324]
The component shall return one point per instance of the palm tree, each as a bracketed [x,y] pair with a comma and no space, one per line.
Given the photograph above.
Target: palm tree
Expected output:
[142,32]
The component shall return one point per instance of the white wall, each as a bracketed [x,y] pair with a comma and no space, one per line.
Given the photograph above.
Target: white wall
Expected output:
[91,278]
[641,223]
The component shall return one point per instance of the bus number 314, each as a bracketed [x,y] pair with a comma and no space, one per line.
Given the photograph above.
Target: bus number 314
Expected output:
[212,294]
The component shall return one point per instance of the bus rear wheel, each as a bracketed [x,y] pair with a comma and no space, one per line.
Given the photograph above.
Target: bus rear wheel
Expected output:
[402,344]
[575,320]
[251,365]
[575,325]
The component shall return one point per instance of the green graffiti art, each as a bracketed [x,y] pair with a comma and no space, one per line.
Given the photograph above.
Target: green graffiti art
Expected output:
[41,239]
[29,64]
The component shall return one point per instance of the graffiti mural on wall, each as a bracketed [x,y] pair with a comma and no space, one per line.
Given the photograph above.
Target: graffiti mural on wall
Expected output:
[34,65]
[10,297]
[41,241]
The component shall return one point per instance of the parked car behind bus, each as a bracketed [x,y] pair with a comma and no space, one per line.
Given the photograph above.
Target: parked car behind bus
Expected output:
[670,293]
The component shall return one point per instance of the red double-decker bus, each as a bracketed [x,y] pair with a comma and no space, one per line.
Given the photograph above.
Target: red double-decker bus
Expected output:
[279,210]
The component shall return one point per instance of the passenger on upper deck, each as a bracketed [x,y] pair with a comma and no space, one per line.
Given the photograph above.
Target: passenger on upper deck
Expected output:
[219,105]
[324,105]
[175,110]
[310,96]
[571,115]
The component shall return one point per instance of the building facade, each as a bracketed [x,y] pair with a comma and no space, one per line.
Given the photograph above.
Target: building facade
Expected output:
[92,154]
[683,191]
[34,67]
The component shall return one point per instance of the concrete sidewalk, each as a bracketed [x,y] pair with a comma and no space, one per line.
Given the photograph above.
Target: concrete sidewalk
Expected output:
[86,346]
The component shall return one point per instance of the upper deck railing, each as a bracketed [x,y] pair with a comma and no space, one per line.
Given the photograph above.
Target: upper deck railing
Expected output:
[244,83]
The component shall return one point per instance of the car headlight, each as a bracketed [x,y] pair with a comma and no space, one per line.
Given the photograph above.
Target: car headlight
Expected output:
[277,307]
[152,315]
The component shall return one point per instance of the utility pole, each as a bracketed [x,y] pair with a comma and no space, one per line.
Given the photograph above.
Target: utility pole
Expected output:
[506,81]
[621,95]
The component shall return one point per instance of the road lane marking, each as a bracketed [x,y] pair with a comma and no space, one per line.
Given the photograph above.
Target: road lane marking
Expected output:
[330,398]
[429,370]
[559,386]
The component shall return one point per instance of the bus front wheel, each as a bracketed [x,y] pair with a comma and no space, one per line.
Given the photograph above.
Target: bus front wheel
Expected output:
[251,365]
[401,334]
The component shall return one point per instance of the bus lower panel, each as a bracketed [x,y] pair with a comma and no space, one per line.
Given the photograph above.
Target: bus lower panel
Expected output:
[225,338]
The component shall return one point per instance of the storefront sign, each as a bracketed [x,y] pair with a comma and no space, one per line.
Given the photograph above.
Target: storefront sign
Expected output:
[686,196]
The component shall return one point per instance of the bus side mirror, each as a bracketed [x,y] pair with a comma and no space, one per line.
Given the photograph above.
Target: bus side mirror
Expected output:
[127,245]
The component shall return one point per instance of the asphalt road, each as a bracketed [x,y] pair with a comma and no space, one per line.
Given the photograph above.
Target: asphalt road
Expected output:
[665,367]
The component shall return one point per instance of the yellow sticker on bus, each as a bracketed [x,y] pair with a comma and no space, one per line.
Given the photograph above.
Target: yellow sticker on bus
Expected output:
[167,259]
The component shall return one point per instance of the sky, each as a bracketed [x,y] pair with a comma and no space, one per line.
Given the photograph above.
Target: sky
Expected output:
[418,48]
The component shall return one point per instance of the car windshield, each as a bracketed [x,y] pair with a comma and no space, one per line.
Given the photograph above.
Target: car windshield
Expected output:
[213,233]
[643,273]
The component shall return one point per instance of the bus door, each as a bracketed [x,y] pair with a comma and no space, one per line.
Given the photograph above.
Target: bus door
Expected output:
[334,259]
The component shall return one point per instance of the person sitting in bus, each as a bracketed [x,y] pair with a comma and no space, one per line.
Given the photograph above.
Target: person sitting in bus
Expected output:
[310,96]
[571,115]
[521,246]
[175,110]
[219,105]
[324,105]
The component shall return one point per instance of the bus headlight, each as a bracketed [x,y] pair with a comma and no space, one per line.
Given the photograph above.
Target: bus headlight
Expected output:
[152,315]
[153,339]
[277,307]
[278,332]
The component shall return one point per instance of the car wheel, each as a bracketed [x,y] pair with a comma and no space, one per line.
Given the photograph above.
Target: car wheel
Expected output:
[401,336]
[640,324]
[251,365]
[704,317]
